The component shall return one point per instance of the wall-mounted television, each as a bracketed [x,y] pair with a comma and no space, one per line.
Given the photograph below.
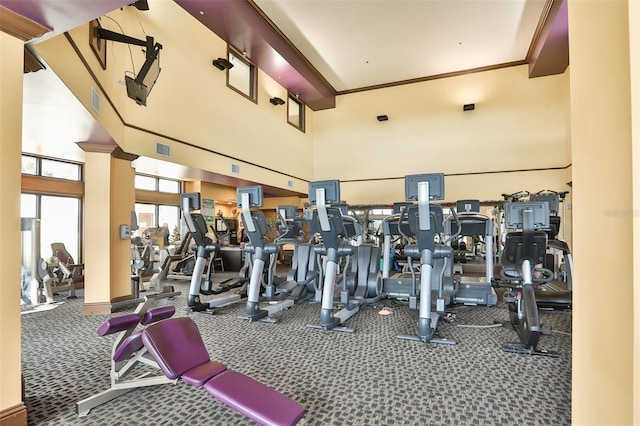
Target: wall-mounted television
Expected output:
[138,88]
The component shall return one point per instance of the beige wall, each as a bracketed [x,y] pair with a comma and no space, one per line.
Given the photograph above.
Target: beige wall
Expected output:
[603,315]
[518,124]
[634,59]
[206,124]
[11,54]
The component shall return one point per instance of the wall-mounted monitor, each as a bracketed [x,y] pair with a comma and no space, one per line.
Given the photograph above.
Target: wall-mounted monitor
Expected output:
[436,186]
[256,198]
[138,88]
[331,191]
[513,213]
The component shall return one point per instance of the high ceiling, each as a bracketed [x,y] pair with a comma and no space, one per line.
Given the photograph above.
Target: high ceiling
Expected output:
[315,48]
[356,44]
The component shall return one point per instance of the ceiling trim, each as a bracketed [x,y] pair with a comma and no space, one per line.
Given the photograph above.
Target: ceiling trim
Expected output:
[20,26]
[549,51]
[433,77]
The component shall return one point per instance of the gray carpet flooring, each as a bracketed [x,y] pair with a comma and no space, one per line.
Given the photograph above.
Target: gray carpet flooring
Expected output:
[366,378]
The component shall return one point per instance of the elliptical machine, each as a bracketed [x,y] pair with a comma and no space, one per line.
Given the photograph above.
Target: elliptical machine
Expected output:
[329,222]
[522,252]
[255,225]
[425,222]
[204,248]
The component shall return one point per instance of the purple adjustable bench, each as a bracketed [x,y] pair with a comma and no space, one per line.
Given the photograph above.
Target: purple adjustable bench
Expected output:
[177,346]
[128,352]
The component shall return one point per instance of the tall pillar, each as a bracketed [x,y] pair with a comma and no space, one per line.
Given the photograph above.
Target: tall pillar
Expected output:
[12,409]
[108,202]
[603,214]
[634,49]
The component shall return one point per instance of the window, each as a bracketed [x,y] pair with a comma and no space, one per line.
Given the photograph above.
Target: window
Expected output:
[152,183]
[28,205]
[243,76]
[51,168]
[157,216]
[29,165]
[145,182]
[170,186]
[60,170]
[295,112]
[54,226]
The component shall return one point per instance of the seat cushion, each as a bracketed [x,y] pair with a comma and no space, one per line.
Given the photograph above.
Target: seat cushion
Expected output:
[256,401]
[199,375]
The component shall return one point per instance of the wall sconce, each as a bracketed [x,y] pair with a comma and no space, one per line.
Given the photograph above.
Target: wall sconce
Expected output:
[222,64]
[468,107]
[276,101]
[383,117]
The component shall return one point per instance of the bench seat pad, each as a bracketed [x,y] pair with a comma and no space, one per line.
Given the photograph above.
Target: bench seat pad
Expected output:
[198,376]
[256,401]
[176,345]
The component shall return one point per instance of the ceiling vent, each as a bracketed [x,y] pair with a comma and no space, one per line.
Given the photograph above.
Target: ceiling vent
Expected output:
[163,149]
[95,100]
[235,168]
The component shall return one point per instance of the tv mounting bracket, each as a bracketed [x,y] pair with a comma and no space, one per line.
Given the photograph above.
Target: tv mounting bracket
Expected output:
[151,50]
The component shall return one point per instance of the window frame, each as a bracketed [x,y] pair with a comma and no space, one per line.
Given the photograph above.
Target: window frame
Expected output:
[293,99]
[39,169]
[253,74]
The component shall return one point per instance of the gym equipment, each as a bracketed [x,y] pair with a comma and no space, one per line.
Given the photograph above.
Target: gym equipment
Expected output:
[425,223]
[204,248]
[41,278]
[396,228]
[522,252]
[30,286]
[177,266]
[255,225]
[177,345]
[365,285]
[290,232]
[556,294]
[473,289]
[128,354]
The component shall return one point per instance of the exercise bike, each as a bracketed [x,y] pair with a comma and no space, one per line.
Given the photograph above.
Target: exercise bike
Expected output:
[520,274]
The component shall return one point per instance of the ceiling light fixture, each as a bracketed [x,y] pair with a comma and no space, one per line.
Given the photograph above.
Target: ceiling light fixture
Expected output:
[222,64]
[468,107]
[276,101]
